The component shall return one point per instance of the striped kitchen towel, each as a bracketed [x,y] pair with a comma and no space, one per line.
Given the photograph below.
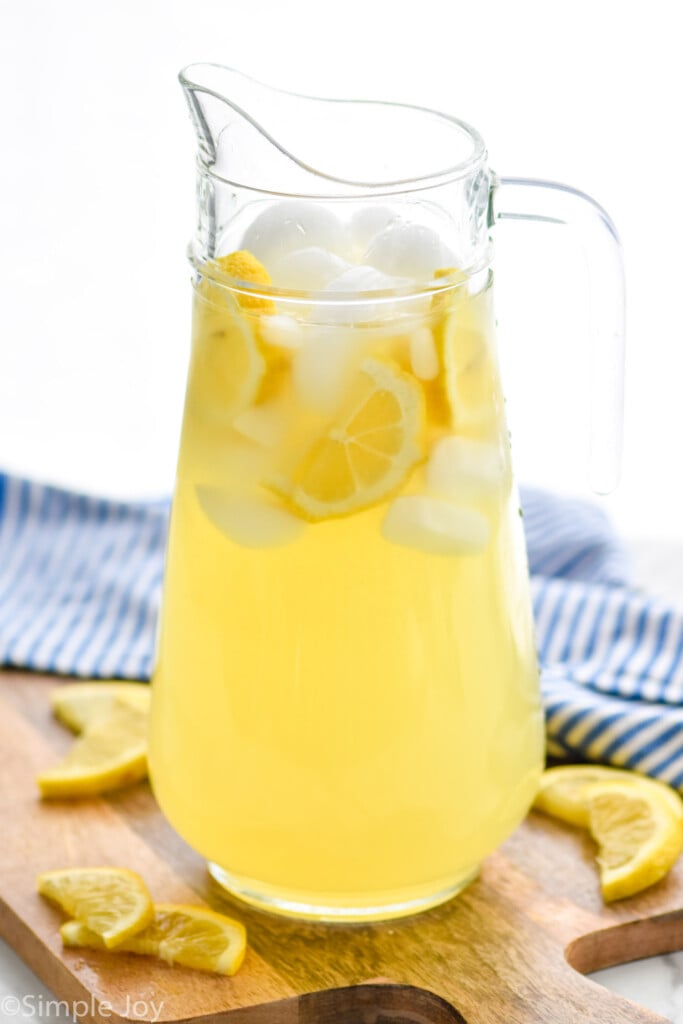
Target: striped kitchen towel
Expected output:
[80,581]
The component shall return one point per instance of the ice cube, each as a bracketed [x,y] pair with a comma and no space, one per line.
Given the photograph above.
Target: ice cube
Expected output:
[281,331]
[408,250]
[307,269]
[263,424]
[435,526]
[290,225]
[461,467]
[252,520]
[424,359]
[356,281]
[322,368]
[363,278]
[367,222]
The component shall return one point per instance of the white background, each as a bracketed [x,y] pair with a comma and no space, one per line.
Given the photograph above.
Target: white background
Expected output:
[97,179]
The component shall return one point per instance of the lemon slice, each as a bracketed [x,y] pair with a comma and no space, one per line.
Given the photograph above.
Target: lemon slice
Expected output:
[244,266]
[472,381]
[563,791]
[179,934]
[112,753]
[79,705]
[369,449]
[113,903]
[466,396]
[639,835]
[277,334]
[227,367]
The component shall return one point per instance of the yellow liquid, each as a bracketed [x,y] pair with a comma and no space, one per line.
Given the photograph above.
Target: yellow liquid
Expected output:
[344,725]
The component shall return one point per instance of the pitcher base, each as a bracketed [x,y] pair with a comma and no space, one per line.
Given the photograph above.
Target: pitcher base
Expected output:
[263,898]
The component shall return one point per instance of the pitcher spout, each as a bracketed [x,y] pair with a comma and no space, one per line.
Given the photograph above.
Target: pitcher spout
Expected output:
[231,114]
[258,144]
[244,125]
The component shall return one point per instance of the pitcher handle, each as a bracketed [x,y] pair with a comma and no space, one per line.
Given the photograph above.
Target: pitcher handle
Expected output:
[550,202]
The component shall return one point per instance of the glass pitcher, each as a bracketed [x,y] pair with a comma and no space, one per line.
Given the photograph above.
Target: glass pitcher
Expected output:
[346,707]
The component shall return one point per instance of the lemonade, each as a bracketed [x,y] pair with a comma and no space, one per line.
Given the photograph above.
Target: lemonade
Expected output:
[346,713]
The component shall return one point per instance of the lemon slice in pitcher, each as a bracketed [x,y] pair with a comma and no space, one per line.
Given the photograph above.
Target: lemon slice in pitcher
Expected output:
[113,903]
[368,450]
[244,266]
[226,367]
[179,934]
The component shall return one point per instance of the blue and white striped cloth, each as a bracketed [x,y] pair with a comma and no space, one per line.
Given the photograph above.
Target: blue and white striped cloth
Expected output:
[80,580]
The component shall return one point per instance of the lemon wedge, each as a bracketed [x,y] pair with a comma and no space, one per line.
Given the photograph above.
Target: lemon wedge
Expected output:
[112,903]
[110,754]
[369,449]
[79,705]
[636,821]
[563,794]
[244,266]
[639,836]
[179,934]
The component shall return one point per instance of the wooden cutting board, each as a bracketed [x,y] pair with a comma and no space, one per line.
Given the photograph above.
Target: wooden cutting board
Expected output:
[506,951]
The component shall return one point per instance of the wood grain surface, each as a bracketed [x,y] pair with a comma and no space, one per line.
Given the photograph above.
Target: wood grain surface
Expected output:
[509,949]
